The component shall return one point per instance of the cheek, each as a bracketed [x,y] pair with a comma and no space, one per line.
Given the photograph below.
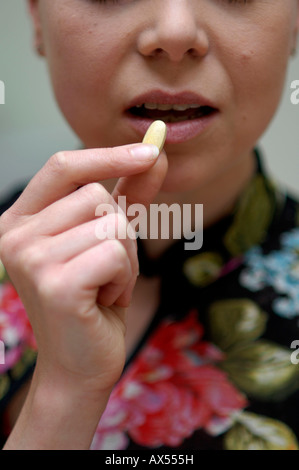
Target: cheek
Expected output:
[262,72]
[82,70]
[258,75]
[81,49]
[257,54]
[80,64]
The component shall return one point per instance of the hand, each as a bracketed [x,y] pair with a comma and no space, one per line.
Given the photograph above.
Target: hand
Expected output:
[76,288]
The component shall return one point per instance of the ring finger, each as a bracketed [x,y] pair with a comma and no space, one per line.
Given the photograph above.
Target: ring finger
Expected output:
[67,245]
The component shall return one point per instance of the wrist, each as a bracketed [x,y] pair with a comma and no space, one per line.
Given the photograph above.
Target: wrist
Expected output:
[60,412]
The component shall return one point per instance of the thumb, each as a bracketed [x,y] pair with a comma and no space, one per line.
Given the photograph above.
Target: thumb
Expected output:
[143,187]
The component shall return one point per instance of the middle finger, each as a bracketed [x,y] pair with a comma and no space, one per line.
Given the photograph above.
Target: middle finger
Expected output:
[71,211]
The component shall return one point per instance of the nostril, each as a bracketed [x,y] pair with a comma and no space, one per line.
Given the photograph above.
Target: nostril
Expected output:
[191,51]
[173,40]
[159,51]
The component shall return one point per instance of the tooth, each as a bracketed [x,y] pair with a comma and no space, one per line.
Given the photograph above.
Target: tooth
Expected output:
[160,107]
[168,107]
[180,107]
[164,107]
[150,106]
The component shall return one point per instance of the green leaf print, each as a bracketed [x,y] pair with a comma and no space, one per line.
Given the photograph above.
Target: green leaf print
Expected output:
[253,215]
[262,370]
[202,269]
[235,321]
[252,432]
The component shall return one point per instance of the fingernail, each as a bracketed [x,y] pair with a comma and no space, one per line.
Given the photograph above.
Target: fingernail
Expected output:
[145,152]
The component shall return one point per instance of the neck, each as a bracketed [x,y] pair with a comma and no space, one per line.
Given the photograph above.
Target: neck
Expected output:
[218,198]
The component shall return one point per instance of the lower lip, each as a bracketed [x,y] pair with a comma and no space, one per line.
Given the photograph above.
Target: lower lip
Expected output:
[177,132]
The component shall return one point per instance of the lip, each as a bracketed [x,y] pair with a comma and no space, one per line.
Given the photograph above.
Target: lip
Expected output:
[177,132]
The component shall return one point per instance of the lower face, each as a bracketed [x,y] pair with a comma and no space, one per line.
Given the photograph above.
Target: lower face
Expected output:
[213,70]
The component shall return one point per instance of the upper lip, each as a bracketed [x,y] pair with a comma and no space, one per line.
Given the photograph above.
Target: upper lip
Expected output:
[163,97]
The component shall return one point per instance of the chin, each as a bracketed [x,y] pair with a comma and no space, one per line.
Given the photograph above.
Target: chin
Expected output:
[179,183]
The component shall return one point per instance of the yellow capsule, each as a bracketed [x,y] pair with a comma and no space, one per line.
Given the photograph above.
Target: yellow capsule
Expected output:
[156,134]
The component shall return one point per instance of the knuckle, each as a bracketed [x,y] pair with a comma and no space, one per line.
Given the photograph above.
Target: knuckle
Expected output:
[9,245]
[95,197]
[31,259]
[8,220]
[14,253]
[117,251]
[120,259]
[116,226]
[50,287]
[58,163]
[93,192]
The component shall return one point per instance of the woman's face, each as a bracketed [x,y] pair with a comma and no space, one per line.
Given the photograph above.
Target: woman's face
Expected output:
[214,70]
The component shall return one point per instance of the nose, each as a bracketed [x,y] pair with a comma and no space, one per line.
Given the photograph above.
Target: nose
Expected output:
[174,31]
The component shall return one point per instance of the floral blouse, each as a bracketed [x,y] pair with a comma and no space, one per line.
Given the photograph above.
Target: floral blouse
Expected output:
[218,368]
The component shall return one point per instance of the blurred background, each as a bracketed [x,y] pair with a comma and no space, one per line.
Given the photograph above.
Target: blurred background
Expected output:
[32,128]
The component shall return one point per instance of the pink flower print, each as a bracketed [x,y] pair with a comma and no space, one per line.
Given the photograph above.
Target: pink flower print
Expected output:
[173,388]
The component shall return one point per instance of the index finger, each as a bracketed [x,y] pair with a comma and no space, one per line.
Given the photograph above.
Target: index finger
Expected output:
[66,171]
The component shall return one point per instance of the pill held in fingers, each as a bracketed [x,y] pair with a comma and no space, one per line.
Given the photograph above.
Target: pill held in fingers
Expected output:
[156,134]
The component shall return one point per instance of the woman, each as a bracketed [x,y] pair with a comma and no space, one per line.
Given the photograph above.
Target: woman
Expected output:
[187,328]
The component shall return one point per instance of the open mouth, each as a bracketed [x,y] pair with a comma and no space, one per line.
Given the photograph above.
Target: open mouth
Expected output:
[171,113]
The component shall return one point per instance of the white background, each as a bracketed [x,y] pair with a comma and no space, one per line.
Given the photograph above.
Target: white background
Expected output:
[32,128]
